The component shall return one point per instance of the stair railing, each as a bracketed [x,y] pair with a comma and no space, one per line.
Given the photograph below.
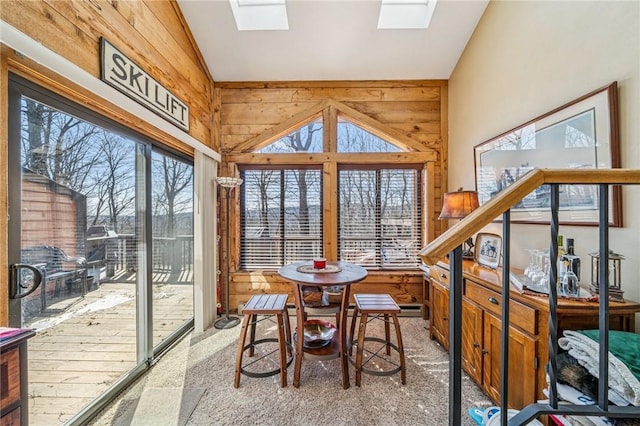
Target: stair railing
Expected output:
[450,243]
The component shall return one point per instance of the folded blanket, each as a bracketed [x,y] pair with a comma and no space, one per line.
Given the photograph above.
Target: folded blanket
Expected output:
[586,351]
[623,345]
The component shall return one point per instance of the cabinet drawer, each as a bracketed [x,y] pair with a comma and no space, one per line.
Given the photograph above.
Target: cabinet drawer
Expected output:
[519,314]
[439,274]
[12,418]
[9,378]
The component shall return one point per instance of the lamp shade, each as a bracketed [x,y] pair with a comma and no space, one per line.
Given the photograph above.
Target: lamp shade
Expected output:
[458,204]
[229,181]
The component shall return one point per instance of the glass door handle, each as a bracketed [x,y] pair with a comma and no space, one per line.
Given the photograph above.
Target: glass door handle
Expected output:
[18,289]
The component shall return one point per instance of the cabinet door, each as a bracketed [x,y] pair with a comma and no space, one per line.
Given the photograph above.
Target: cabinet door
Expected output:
[472,340]
[439,314]
[522,363]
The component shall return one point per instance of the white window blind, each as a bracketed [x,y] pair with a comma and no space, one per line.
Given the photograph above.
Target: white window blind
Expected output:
[379,217]
[281,217]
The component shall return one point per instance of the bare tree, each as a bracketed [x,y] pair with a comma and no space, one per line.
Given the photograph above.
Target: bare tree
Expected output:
[301,141]
[173,177]
[59,146]
[117,175]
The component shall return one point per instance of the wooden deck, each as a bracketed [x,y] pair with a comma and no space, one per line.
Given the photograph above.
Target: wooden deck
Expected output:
[84,345]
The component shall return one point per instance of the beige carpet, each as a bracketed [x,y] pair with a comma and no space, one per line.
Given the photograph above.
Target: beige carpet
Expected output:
[162,406]
[206,362]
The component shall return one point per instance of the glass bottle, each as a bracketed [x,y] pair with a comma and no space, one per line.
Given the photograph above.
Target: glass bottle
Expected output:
[561,252]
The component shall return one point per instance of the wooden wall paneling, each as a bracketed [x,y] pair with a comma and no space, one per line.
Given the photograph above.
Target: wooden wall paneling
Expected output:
[431,141]
[172,20]
[150,42]
[245,130]
[49,27]
[4,201]
[262,113]
[216,106]
[369,86]
[444,150]
[294,92]
[405,288]
[77,39]
[300,92]
[429,127]
[375,127]
[399,111]
[280,128]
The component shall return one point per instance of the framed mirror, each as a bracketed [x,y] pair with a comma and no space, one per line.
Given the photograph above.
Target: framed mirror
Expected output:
[583,134]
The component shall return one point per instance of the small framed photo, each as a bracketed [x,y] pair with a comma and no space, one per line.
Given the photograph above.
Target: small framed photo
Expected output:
[488,249]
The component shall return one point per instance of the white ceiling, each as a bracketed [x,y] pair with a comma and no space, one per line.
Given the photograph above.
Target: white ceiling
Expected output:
[331,40]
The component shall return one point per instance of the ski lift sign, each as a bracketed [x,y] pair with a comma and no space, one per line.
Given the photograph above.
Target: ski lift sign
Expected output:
[126,76]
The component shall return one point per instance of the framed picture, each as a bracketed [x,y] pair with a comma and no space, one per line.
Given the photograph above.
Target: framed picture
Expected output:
[582,134]
[488,249]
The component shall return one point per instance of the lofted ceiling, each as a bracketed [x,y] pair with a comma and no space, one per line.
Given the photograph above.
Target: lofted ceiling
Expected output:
[331,40]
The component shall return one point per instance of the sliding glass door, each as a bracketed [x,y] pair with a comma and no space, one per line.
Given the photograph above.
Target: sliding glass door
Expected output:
[102,219]
[172,242]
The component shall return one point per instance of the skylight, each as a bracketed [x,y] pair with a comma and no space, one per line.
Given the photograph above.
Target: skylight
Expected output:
[255,15]
[406,14]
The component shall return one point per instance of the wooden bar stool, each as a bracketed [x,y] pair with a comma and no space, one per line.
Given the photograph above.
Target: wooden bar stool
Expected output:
[372,307]
[268,305]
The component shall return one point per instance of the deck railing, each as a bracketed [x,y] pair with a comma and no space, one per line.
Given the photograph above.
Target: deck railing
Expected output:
[169,254]
[451,241]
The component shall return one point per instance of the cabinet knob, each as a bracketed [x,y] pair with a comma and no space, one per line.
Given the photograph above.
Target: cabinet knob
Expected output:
[476,344]
[443,276]
[444,318]
[484,352]
[494,300]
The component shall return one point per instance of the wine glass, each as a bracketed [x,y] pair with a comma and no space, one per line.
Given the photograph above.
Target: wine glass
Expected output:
[543,278]
[536,271]
[532,263]
[570,285]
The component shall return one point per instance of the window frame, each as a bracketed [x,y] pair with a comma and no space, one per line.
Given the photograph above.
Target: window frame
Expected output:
[381,242]
[283,240]
[412,154]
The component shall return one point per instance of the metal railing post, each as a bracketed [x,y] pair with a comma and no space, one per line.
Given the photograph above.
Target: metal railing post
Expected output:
[455,337]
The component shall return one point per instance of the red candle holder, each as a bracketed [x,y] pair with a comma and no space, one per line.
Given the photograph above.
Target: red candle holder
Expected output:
[319,263]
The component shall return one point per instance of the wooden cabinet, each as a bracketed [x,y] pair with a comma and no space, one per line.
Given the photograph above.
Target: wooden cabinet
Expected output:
[439,313]
[13,377]
[522,362]
[472,338]
[528,329]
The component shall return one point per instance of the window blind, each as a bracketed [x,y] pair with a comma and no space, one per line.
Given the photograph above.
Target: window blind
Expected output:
[379,217]
[281,217]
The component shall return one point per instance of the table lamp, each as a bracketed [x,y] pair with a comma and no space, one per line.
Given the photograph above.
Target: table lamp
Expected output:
[457,205]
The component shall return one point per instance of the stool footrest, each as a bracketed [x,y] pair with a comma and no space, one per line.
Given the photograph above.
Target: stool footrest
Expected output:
[374,355]
[268,373]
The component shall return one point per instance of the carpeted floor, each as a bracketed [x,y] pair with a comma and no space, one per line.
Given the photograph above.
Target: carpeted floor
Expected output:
[195,379]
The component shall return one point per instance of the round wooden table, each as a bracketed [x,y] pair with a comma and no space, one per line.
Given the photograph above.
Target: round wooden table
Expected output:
[303,276]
